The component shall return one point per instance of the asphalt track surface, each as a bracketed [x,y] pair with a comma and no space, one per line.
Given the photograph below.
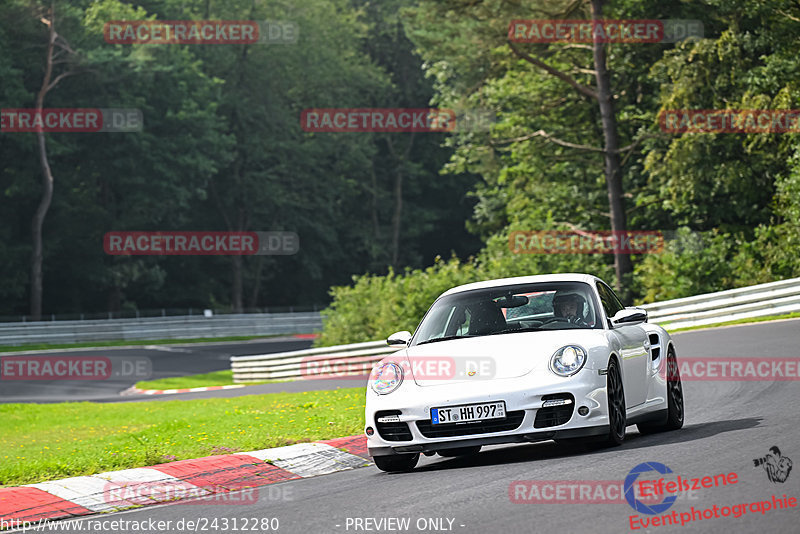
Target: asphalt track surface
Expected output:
[164,361]
[728,424]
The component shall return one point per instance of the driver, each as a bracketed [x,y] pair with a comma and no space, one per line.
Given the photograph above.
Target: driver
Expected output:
[570,307]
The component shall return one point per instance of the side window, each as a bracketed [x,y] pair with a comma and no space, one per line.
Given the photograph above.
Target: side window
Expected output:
[458,321]
[611,303]
[464,328]
[617,302]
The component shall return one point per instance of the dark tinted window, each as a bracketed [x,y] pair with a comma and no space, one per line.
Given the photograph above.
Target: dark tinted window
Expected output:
[505,309]
[609,300]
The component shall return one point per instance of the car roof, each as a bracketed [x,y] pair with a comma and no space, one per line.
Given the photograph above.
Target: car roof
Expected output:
[500,282]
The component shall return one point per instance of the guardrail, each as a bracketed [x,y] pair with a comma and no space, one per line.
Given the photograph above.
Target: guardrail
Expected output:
[176,327]
[340,360]
[356,359]
[750,302]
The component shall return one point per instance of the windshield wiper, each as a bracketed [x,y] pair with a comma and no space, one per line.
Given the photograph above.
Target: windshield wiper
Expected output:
[512,330]
[445,338]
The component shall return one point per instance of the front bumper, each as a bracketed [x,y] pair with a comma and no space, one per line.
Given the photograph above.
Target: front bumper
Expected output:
[523,396]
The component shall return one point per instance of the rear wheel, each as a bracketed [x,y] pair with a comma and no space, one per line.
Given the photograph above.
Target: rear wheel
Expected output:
[674,400]
[459,451]
[396,463]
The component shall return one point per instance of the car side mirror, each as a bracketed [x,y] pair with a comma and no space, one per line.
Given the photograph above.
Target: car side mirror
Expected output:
[399,339]
[629,316]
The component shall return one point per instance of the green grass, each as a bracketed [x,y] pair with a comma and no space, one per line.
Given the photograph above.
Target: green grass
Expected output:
[737,321]
[91,344]
[217,378]
[42,442]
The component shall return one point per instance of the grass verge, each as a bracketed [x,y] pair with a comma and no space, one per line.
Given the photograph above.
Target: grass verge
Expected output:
[737,321]
[217,378]
[49,441]
[123,343]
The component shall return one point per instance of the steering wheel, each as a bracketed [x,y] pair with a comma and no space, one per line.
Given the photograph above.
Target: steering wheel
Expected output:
[554,319]
[578,321]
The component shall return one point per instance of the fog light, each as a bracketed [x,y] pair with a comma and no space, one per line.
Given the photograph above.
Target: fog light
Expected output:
[556,402]
[370,431]
[389,419]
[583,410]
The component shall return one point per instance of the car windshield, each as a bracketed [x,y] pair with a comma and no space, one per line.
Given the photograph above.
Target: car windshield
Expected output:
[509,310]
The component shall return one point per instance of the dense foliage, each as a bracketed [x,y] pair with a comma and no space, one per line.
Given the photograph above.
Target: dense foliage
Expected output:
[222,149]
[728,202]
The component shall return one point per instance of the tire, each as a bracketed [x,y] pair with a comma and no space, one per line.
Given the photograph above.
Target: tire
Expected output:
[397,463]
[459,451]
[675,411]
[617,418]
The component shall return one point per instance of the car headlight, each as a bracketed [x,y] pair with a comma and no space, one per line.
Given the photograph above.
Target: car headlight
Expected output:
[386,378]
[568,360]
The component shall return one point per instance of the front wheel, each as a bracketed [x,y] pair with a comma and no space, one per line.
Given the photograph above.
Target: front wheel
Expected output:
[617,416]
[397,463]
[674,400]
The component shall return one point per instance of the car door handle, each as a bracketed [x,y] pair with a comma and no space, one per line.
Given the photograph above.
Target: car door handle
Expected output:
[647,345]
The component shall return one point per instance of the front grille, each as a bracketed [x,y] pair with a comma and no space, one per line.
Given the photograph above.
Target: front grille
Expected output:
[554,415]
[392,431]
[449,430]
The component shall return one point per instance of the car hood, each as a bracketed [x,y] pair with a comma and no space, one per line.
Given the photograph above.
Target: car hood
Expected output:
[498,356]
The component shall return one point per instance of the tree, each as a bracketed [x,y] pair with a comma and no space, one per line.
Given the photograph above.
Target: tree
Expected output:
[57,46]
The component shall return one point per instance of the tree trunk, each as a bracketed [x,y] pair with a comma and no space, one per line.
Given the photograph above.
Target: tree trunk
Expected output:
[400,160]
[253,300]
[375,221]
[37,256]
[236,284]
[616,202]
[398,211]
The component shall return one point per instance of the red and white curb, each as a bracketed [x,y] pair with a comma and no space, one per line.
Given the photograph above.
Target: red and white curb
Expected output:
[142,486]
[137,391]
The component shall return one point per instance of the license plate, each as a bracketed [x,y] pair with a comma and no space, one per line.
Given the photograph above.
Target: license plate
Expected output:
[468,412]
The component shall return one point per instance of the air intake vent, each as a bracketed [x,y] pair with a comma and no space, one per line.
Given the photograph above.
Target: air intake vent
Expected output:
[557,410]
[390,429]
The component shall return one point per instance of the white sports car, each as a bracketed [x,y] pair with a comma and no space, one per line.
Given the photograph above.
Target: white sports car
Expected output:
[520,360]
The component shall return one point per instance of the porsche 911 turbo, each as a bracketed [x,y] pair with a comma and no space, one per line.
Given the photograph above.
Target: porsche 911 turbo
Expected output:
[534,358]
